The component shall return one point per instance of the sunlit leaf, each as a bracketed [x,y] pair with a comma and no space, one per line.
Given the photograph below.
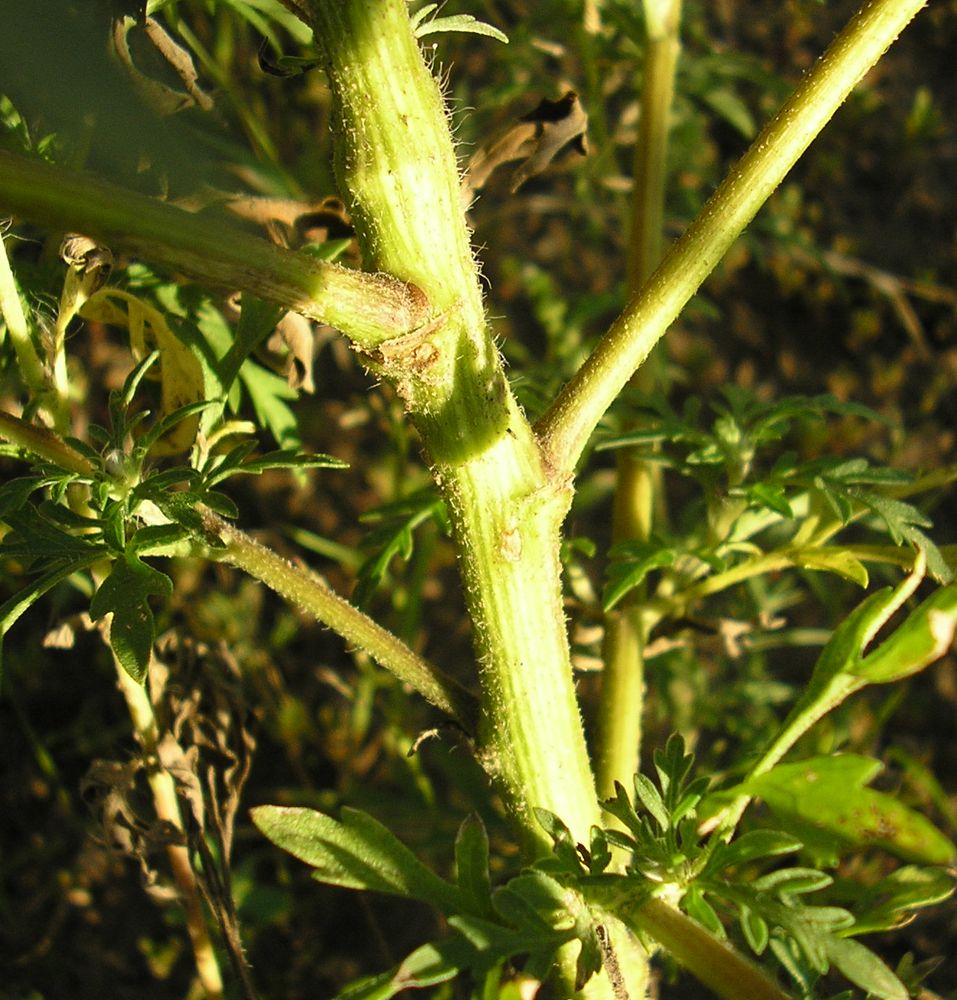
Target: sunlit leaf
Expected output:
[460,22]
[827,795]
[832,559]
[356,852]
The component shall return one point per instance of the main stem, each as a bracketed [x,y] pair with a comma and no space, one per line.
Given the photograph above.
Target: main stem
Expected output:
[397,168]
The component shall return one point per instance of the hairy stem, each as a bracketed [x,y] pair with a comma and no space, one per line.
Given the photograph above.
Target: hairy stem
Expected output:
[398,171]
[368,308]
[312,595]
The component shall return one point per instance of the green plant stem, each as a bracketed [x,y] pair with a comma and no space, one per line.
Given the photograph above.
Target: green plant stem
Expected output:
[166,804]
[398,170]
[662,47]
[638,483]
[725,971]
[309,593]
[35,375]
[567,425]
[368,308]
[18,330]
[45,444]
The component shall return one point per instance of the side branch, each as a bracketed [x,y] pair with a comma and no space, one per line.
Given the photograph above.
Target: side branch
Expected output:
[569,422]
[367,308]
[309,593]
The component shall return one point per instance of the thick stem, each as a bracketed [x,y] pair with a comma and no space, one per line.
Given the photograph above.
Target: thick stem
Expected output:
[368,308]
[567,425]
[398,169]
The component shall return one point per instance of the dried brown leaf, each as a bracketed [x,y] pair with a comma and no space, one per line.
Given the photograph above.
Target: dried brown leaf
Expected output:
[164,99]
[536,139]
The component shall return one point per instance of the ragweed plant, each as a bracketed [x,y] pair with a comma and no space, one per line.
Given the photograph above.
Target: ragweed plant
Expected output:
[598,884]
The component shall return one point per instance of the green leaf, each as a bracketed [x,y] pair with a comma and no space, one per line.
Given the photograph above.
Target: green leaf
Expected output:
[896,514]
[650,798]
[166,424]
[631,563]
[471,865]
[890,902]
[460,22]
[732,109]
[14,493]
[33,536]
[269,393]
[863,968]
[287,459]
[152,538]
[772,496]
[752,846]
[257,320]
[831,559]
[494,942]
[599,853]
[924,637]
[394,537]
[699,909]
[754,928]
[673,766]
[426,966]
[356,852]
[793,881]
[125,593]
[826,795]
[843,652]
[565,856]
[529,901]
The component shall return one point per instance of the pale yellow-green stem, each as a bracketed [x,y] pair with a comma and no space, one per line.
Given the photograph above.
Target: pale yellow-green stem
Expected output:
[37,377]
[166,804]
[638,483]
[398,171]
[567,425]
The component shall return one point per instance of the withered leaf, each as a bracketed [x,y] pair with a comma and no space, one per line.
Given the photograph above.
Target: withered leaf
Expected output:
[164,99]
[536,139]
[297,335]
